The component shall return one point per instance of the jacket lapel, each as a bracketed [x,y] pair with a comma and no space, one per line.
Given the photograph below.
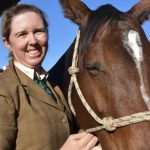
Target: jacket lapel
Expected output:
[59,92]
[34,90]
[58,97]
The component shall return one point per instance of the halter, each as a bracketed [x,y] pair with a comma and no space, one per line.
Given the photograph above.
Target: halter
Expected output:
[107,123]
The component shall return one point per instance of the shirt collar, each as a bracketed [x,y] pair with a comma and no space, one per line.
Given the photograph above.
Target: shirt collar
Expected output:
[31,72]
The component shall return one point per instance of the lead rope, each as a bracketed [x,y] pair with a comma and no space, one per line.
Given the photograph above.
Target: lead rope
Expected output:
[107,123]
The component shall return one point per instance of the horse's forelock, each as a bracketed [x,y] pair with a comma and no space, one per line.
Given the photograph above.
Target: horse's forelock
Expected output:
[104,14]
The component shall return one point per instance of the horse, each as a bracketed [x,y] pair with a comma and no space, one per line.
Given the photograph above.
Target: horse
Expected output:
[110,75]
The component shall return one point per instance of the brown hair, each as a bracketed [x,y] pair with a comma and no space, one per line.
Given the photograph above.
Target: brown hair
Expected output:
[16,10]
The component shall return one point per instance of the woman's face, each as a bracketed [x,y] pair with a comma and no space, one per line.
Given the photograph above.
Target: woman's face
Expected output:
[28,40]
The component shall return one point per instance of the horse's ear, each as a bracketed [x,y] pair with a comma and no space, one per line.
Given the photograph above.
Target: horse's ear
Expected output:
[141,11]
[75,10]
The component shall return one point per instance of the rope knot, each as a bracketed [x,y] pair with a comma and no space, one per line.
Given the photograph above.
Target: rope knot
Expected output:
[108,124]
[73,70]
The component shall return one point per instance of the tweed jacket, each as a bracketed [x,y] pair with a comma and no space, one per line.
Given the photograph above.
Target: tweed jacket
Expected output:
[30,119]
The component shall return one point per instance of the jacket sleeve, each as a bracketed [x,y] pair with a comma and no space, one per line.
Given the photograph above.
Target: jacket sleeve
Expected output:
[8,123]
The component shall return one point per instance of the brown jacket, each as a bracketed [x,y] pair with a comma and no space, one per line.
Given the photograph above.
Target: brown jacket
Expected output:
[29,118]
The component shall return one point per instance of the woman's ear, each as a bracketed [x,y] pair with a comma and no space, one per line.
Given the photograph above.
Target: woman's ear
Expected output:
[7,43]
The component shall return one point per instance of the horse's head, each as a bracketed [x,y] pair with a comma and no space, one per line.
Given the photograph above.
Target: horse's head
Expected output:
[114,58]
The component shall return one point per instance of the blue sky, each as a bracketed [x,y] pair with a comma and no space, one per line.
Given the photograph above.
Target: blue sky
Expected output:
[61,30]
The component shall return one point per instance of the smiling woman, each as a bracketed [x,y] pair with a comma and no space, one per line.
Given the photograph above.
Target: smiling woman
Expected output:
[27,43]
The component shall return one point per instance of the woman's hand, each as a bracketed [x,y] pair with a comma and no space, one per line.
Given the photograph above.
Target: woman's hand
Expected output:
[81,141]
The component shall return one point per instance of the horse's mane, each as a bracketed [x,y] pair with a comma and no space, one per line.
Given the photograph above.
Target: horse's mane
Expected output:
[105,13]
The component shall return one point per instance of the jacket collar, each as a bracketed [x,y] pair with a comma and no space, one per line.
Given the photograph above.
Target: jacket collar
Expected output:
[31,88]
[31,72]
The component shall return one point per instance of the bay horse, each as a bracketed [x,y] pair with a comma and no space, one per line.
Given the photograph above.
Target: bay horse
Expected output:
[112,72]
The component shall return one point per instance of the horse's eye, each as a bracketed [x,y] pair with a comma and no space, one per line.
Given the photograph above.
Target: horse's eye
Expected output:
[93,68]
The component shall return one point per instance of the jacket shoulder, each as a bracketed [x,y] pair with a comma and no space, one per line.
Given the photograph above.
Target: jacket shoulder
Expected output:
[6,78]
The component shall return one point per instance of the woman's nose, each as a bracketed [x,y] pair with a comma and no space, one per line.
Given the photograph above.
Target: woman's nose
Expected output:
[32,39]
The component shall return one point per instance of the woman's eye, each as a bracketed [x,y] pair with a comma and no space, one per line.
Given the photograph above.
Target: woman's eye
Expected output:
[40,31]
[21,35]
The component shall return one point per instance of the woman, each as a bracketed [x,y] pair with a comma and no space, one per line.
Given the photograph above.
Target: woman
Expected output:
[31,118]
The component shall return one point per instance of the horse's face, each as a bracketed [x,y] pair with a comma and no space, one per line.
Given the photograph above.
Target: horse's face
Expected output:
[111,72]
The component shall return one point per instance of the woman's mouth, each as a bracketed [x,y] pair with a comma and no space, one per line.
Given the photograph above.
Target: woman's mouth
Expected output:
[34,53]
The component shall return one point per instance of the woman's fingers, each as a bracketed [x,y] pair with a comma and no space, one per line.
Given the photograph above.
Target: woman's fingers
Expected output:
[81,141]
[97,148]
[88,139]
[92,142]
[77,136]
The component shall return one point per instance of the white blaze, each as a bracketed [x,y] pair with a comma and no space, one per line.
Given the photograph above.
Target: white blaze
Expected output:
[134,47]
